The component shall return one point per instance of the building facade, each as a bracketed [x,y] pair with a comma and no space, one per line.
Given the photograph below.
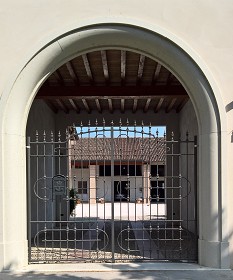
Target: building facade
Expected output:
[192,40]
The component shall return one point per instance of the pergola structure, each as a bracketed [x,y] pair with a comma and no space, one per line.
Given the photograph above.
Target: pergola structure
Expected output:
[113,79]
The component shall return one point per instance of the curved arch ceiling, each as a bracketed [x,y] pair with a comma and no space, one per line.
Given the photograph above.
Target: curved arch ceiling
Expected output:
[113,80]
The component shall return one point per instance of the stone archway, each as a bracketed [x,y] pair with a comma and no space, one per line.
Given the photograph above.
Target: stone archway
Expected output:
[16,102]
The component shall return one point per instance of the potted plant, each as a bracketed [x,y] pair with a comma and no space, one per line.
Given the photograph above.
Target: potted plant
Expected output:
[78,199]
[101,200]
[72,204]
[139,200]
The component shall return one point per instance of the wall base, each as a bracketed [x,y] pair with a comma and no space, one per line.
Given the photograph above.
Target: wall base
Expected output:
[15,255]
[213,254]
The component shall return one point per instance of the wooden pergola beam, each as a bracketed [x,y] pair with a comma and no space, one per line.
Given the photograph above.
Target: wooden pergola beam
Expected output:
[171,104]
[123,67]
[135,104]
[122,105]
[140,68]
[72,72]
[58,77]
[169,79]
[86,106]
[158,106]
[74,105]
[105,66]
[127,91]
[156,73]
[147,105]
[62,105]
[97,102]
[110,105]
[87,67]
[51,106]
[181,105]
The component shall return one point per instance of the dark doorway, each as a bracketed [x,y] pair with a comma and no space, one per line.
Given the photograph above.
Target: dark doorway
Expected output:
[121,191]
[157,192]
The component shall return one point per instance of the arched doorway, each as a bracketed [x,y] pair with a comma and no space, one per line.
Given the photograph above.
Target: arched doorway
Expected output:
[212,246]
[131,147]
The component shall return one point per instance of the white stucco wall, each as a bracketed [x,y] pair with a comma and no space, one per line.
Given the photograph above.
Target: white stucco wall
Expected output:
[188,123]
[205,26]
[41,120]
[201,28]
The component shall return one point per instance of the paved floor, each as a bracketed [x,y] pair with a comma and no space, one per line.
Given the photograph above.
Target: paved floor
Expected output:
[114,271]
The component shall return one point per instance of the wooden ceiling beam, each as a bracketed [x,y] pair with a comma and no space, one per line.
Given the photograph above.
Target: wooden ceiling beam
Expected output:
[97,102]
[135,104]
[169,79]
[105,66]
[147,105]
[140,68]
[159,105]
[156,73]
[62,105]
[123,67]
[110,105]
[86,106]
[72,72]
[181,105]
[75,91]
[122,105]
[74,105]
[87,67]
[51,106]
[59,77]
[171,104]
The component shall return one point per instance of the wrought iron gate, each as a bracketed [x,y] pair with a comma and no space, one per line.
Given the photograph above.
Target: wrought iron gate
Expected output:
[111,193]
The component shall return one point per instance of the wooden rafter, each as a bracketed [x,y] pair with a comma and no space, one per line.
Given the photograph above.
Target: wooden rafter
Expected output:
[105,66]
[86,105]
[97,102]
[72,72]
[140,68]
[74,105]
[169,79]
[123,66]
[122,105]
[156,73]
[62,105]
[147,105]
[58,77]
[158,106]
[135,104]
[181,105]
[87,67]
[110,105]
[75,91]
[51,106]
[171,104]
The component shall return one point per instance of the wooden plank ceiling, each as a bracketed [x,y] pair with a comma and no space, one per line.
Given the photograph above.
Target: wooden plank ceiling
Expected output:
[113,80]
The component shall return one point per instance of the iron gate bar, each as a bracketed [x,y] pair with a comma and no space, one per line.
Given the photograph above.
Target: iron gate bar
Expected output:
[138,225]
[112,195]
